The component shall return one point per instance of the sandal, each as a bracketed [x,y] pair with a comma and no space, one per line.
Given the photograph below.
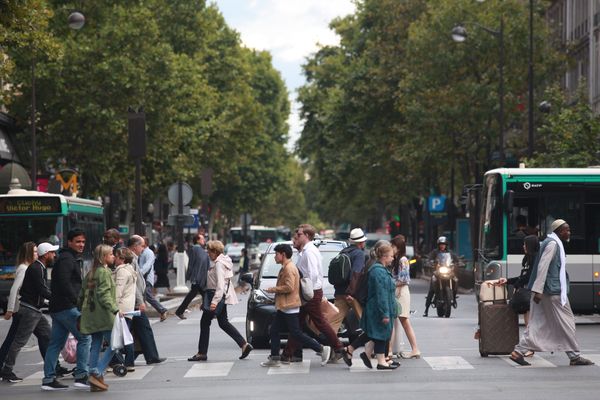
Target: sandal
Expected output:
[518,358]
[347,356]
[198,357]
[529,353]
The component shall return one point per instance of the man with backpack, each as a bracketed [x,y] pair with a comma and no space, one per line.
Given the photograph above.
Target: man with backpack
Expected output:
[344,272]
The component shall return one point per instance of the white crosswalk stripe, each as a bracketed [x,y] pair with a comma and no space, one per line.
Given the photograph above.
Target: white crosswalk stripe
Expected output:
[447,363]
[292,368]
[536,362]
[209,370]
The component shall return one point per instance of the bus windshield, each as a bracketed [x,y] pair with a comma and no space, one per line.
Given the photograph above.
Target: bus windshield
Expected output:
[15,231]
[491,218]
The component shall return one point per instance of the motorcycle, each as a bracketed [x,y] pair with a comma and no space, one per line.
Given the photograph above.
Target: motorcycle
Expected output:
[443,297]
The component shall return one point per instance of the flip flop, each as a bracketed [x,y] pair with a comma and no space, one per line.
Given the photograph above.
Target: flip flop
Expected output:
[518,358]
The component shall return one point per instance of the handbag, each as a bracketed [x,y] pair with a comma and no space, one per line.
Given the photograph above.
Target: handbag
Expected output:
[117,340]
[520,300]
[208,297]
[306,289]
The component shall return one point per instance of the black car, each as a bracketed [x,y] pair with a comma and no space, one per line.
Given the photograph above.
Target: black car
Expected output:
[261,305]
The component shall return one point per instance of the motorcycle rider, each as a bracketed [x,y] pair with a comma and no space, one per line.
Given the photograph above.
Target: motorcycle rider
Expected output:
[442,247]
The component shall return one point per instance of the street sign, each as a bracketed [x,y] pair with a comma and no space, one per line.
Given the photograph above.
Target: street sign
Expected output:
[436,204]
[245,219]
[123,229]
[186,193]
[185,219]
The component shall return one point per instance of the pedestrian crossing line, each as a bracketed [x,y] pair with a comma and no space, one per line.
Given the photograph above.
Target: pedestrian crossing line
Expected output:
[292,368]
[535,361]
[196,321]
[209,370]
[36,379]
[447,363]
[358,366]
[140,373]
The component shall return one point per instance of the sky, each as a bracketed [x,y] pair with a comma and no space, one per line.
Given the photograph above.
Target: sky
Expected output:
[291,30]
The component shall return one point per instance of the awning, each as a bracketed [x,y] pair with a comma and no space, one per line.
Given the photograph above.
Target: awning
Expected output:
[10,171]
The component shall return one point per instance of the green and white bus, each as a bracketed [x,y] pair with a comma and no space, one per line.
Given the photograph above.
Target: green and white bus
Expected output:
[43,217]
[514,202]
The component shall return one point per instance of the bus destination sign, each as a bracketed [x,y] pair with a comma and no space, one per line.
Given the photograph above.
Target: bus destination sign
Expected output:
[30,205]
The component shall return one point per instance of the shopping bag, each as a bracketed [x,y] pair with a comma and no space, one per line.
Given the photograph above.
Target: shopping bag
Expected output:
[117,340]
[69,352]
[127,337]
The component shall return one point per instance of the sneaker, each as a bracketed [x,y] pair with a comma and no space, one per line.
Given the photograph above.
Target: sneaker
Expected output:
[273,361]
[581,361]
[335,357]
[62,371]
[130,368]
[325,353]
[82,383]
[54,385]
[11,377]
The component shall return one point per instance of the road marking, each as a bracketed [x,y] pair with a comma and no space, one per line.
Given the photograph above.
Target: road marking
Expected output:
[36,379]
[594,357]
[292,368]
[140,373]
[237,320]
[194,321]
[535,361]
[209,370]
[446,363]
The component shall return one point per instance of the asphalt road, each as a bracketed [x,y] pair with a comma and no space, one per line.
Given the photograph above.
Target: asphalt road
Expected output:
[451,367]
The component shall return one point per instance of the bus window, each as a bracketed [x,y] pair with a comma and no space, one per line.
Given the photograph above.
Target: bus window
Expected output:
[491,223]
[523,221]
[16,231]
[568,205]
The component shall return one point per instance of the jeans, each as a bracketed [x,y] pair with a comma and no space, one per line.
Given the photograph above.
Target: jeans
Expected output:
[194,291]
[64,322]
[224,324]
[143,332]
[31,322]
[149,296]
[99,363]
[10,336]
[292,323]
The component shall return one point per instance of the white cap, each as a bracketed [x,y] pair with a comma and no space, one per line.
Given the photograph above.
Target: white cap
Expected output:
[557,224]
[357,236]
[45,247]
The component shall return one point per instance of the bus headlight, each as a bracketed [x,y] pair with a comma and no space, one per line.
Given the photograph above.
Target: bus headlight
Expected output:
[493,271]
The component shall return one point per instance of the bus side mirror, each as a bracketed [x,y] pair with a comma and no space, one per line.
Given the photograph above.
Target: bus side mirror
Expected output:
[509,200]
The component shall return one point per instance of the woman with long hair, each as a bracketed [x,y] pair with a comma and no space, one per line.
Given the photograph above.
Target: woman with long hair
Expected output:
[220,293]
[401,275]
[97,301]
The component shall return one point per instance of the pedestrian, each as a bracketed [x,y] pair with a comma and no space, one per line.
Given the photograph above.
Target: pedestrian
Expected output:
[112,237]
[65,287]
[146,264]
[401,275]
[97,301]
[287,303]
[140,323]
[196,272]
[34,289]
[381,308]
[161,268]
[343,293]
[125,278]
[26,255]
[218,290]
[309,266]
[551,321]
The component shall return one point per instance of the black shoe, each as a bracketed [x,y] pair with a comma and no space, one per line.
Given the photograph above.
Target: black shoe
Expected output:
[246,350]
[581,361]
[62,371]
[11,377]
[347,357]
[54,385]
[82,383]
[518,358]
[365,358]
[387,367]
[157,361]
[180,316]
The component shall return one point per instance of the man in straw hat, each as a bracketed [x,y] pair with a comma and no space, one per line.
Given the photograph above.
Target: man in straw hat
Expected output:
[551,321]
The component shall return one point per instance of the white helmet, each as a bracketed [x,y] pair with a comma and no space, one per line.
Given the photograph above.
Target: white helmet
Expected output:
[442,239]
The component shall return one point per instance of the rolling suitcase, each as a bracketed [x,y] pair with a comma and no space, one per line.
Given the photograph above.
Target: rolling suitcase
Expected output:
[498,323]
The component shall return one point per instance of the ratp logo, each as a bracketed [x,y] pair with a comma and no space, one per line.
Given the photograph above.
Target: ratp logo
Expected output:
[527,185]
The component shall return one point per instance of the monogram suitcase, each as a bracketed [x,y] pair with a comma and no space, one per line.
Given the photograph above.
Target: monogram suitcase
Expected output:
[499,329]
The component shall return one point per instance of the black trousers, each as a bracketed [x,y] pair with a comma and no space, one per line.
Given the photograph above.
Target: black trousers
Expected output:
[292,322]
[224,324]
[194,291]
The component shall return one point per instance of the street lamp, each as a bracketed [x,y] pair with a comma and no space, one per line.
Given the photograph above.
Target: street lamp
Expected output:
[76,21]
[459,35]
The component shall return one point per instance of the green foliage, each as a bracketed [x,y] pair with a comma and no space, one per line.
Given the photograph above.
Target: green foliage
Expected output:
[569,136]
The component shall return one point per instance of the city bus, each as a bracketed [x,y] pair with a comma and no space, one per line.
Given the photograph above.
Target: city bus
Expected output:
[514,202]
[256,234]
[43,217]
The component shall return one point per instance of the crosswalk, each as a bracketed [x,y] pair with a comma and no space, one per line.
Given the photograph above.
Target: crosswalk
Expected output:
[224,369]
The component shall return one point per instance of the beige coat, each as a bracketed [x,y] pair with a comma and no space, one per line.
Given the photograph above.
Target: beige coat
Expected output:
[125,278]
[218,279]
[287,291]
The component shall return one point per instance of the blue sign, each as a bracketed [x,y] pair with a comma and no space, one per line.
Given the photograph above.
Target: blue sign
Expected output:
[436,204]
[196,222]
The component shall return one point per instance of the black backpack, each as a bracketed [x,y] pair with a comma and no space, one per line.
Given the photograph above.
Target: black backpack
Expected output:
[361,292]
[340,269]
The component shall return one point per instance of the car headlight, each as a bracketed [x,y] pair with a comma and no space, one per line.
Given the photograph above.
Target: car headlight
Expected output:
[260,297]
[444,270]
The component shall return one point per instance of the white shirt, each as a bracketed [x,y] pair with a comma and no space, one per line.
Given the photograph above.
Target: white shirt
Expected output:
[309,263]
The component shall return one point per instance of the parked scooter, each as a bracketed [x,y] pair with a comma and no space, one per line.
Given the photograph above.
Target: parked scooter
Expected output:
[444,297]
